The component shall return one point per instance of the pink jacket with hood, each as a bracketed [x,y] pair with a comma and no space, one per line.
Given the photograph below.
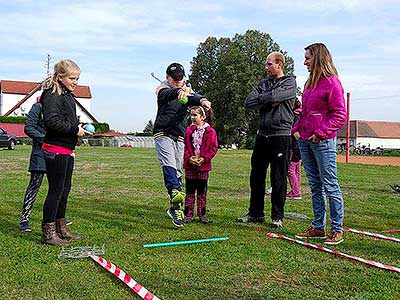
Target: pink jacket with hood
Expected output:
[323,110]
[208,149]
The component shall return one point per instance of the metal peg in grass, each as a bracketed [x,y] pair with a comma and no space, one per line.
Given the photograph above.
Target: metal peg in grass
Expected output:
[296,216]
[81,251]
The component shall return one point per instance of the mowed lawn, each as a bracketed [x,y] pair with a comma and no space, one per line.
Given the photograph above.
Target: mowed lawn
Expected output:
[118,199]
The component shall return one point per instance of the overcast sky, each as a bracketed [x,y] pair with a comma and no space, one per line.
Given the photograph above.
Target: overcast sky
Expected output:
[119,43]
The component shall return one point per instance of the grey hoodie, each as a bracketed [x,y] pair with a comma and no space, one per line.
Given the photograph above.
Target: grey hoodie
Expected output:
[274,99]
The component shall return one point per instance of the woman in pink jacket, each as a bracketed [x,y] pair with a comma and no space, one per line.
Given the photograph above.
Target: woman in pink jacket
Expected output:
[200,147]
[323,114]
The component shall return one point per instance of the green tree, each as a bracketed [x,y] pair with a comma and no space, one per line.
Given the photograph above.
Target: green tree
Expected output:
[101,127]
[226,70]
[149,127]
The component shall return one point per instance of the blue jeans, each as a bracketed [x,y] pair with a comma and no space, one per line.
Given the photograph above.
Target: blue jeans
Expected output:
[320,166]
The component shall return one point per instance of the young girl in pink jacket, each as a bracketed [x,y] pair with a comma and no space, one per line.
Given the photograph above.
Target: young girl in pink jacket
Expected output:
[200,147]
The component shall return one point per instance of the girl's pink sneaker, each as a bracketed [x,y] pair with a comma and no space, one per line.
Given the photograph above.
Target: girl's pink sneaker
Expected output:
[290,195]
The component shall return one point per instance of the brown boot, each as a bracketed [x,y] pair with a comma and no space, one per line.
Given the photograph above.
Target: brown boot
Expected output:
[50,236]
[62,231]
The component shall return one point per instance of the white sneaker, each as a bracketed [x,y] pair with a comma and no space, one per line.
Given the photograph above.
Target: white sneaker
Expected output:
[277,224]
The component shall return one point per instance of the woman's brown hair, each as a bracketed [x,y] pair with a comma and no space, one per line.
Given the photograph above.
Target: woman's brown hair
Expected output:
[322,64]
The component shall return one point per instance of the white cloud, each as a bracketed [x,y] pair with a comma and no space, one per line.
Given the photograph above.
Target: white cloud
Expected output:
[320,6]
[98,26]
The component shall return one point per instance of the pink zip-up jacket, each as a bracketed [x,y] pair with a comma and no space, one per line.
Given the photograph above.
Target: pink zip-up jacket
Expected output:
[324,110]
[208,149]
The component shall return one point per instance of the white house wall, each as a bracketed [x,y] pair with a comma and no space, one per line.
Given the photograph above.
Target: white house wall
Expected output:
[379,142]
[83,117]
[9,100]
[86,103]
[373,142]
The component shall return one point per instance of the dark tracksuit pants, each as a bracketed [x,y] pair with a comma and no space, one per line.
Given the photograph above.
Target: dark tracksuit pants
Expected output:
[59,175]
[274,151]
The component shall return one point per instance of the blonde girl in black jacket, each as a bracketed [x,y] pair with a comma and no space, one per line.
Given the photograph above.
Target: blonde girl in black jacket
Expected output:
[63,129]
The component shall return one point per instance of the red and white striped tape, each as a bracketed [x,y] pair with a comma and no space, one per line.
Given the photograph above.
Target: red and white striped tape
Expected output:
[128,280]
[391,230]
[375,235]
[337,253]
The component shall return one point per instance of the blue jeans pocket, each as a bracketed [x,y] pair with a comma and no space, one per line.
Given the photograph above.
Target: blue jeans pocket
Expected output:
[323,144]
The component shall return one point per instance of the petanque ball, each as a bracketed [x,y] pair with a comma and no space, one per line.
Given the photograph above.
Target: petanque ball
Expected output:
[90,128]
[184,100]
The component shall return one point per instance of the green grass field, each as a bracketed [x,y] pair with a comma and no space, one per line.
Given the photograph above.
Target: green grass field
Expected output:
[118,199]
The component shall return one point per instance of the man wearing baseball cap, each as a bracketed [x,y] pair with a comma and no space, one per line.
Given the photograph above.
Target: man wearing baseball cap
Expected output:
[173,100]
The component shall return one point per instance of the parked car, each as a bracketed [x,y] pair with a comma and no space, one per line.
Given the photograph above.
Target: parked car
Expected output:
[7,140]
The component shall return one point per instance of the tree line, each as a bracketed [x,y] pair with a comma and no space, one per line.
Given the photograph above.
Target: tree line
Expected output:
[226,70]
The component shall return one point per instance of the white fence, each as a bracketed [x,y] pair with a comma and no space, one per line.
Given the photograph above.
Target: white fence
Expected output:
[121,141]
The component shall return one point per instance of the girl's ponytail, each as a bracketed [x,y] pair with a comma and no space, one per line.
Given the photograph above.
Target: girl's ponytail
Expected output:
[210,118]
[209,114]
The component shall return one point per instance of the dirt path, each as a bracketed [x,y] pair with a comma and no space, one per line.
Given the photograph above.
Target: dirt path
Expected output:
[371,160]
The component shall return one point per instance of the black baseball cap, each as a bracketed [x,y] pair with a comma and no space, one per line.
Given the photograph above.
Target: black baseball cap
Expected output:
[176,71]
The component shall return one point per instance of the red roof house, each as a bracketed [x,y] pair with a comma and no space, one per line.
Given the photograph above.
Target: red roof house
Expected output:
[15,129]
[25,87]
[373,133]
[17,97]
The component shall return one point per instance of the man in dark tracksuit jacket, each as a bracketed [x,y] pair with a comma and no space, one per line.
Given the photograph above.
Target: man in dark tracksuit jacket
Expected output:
[274,98]
[173,100]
